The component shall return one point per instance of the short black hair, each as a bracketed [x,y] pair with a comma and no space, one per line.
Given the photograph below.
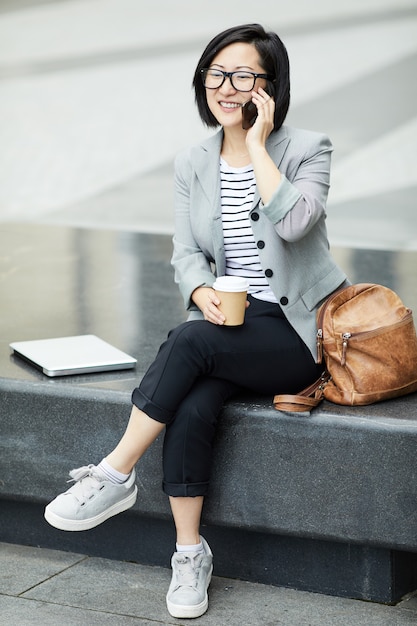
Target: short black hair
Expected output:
[273,58]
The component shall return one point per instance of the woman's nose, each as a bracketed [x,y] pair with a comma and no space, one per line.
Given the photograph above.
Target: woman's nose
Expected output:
[227,86]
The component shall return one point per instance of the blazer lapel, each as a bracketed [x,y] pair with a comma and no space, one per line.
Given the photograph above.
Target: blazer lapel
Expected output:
[276,145]
[206,162]
[206,158]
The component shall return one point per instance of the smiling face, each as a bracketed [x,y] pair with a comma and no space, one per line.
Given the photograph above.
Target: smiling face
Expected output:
[225,103]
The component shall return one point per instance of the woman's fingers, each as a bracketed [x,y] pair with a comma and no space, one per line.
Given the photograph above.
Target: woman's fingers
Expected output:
[211,311]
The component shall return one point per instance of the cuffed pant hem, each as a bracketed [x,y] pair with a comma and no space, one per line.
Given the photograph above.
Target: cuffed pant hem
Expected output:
[151,409]
[185,490]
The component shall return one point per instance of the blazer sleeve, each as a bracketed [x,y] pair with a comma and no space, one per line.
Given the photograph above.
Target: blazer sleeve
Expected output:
[300,200]
[191,264]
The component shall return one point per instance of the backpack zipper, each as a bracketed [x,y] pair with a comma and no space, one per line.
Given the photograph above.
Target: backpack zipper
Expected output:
[319,335]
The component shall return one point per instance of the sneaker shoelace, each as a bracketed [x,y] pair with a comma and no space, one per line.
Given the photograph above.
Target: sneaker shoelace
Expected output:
[87,481]
[188,570]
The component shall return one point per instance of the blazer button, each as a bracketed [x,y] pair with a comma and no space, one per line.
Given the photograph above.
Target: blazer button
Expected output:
[261,244]
[284,300]
[269,273]
[254,217]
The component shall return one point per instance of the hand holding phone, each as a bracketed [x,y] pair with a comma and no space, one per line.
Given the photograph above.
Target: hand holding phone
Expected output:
[250,110]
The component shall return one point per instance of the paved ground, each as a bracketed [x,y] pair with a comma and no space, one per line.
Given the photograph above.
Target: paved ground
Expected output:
[95,101]
[49,588]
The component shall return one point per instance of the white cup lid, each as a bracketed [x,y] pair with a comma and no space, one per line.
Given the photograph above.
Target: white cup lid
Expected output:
[231,283]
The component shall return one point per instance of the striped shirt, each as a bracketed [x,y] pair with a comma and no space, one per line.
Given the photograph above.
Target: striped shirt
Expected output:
[237,193]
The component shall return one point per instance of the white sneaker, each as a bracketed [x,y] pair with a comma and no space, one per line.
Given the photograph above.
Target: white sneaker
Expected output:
[90,501]
[191,575]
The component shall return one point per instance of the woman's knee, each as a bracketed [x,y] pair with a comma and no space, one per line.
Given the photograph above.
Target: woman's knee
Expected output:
[188,332]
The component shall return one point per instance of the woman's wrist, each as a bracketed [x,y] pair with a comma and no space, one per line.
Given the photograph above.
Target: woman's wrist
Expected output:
[199,296]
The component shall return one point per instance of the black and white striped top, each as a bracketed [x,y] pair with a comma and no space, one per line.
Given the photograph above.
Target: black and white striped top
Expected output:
[242,259]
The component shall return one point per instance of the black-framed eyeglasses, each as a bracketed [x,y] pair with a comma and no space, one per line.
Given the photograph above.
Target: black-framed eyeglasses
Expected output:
[214,78]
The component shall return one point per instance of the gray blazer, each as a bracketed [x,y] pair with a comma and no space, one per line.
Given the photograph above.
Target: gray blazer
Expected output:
[290,229]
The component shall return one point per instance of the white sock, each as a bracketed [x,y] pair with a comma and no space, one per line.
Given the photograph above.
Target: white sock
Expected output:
[194,548]
[113,475]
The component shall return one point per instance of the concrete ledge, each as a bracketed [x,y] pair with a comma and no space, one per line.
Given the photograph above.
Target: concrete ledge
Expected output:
[344,474]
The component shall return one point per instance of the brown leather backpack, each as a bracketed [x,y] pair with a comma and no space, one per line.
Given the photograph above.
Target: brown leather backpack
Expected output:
[368,341]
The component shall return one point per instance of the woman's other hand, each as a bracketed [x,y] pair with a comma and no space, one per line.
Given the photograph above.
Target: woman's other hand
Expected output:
[207,301]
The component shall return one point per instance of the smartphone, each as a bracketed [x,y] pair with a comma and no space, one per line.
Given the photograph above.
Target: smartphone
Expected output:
[249,114]
[250,111]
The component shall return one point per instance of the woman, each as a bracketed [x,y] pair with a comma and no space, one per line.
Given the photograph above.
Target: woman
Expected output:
[251,203]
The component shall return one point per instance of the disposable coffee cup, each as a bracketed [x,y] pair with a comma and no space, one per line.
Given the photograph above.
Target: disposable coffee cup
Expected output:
[232,293]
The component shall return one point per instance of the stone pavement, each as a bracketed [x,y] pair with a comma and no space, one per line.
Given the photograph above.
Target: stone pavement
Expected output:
[95,101]
[49,587]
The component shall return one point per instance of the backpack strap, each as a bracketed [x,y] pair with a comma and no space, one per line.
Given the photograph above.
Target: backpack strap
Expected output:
[305,400]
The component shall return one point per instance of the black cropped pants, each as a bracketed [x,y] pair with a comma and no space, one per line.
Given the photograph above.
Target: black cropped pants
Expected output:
[199,367]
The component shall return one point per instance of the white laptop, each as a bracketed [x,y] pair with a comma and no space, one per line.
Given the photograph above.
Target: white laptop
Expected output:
[82,354]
